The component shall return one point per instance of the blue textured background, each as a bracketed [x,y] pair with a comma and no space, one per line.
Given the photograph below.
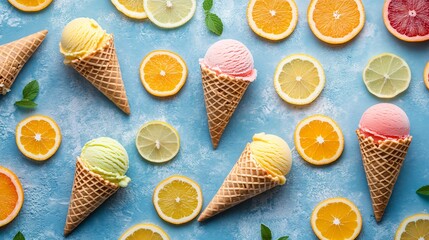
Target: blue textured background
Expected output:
[83,113]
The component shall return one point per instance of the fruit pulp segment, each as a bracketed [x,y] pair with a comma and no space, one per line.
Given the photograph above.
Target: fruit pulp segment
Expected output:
[163,73]
[319,140]
[337,221]
[178,199]
[299,78]
[416,230]
[8,196]
[272,16]
[144,234]
[409,17]
[38,137]
[170,11]
[135,5]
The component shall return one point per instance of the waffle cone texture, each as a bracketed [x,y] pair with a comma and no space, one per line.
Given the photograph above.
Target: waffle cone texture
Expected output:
[222,94]
[382,164]
[89,191]
[246,180]
[13,57]
[102,70]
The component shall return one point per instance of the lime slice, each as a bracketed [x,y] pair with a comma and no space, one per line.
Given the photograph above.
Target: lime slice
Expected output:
[169,13]
[386,75]
[157,141]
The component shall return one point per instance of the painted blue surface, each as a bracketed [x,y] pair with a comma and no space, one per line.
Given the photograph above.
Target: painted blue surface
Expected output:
[83,113]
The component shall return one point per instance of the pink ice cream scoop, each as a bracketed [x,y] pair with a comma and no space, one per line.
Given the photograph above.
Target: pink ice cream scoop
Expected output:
[230,57]
[384,121]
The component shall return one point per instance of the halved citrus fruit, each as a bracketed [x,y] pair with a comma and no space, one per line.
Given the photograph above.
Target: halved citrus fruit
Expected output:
[415,227]
[334,21]
[426,75]
[38,137]
[131,8]
[407,20]
[11,196]
[145,231]
[178,199]
[336,219]
[163,73]
[319,140]
[299,79]
[272,19]
[387,75]
[30,5]
[169,13]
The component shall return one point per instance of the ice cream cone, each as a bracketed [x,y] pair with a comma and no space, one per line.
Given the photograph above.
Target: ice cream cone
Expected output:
[246,180]
[222,94]
[102,70]
[89,191]
[382,165]
[14,55]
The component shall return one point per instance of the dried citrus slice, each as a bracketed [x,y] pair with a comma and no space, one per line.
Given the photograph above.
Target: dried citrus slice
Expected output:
[336,219]
[319,140]
[145,231]
[38,137]
[272,19]
[163,73]
[426,75]
[299,79]
[178,199]
[407,20]
[30,5]
[415,227]
[386,75]
[336,21]
[131,8]
[169,13]
[11,196]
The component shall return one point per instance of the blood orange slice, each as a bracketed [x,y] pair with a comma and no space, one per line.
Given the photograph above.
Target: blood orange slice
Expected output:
[407,20]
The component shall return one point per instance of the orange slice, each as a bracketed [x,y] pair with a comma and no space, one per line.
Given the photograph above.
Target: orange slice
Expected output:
[426,76]
[319,140]
[272,19]
[38,137]
[30,5]
[11,196]
[163,73]
[336,219]
[145,231]
[336,21]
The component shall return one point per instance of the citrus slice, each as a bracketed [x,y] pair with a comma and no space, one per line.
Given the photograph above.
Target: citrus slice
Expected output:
[334,21]
[415,227]
[178,199]
[407,20]
[11,196]
[30,5]
[131,8]
[426,75]
[158,141]
[38,137]
[336,219]
[299,79]
[163,73]
[144,231]
[169,13]
[386,75]
[319,140]
[272,19]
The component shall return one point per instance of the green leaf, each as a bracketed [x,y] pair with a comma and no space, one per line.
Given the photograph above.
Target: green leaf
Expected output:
[284,238]
[19,236]
[423,190]
[207,5]
[25,103]
[214,23]
[265,233]
[31,90]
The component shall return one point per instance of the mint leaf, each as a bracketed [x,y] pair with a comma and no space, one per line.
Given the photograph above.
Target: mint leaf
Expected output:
[207,5]
[423,190]
[19,236]
[25,103]
[214,23]
[265,233]
[31,90]
[284,238]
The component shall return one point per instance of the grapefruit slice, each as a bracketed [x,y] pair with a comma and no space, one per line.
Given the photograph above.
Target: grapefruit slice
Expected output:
[407,20]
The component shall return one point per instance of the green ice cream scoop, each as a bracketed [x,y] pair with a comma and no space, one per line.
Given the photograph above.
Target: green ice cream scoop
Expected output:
[108,158]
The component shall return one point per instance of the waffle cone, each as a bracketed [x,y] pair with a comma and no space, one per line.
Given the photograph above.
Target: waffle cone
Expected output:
[382,165]
[246,180]
[222,94]
[102,70]
[14,55]
[89,191]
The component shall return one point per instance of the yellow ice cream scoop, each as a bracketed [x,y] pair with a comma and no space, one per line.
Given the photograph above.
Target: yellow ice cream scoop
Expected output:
[273,154]
[81,37]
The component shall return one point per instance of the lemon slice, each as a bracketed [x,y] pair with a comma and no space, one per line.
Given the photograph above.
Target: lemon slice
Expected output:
[415,227]
[144,231]
[178,199]
[299,79]
[131,8]
[169,13]
[30,5]
[386,75]
[158,141]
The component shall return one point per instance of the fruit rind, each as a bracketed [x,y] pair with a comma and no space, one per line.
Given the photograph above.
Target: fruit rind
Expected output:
[426,76]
